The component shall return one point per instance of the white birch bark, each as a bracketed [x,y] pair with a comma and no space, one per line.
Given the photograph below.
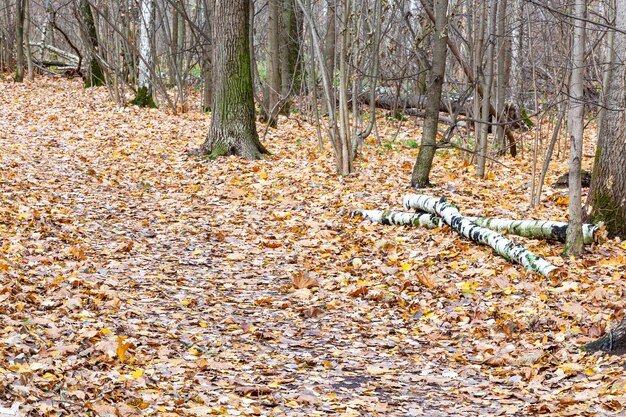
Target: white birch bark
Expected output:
[428,220]
[145,50]
[465,227]
[534,229]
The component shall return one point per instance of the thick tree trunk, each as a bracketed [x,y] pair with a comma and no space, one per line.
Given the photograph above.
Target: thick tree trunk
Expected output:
[423,164]
[95,73]
[233,127]
[574,245]
[503,246]
[534,229]
[607,194]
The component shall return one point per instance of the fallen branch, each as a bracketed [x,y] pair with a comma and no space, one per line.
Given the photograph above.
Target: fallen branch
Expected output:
[465,227]
[534,229]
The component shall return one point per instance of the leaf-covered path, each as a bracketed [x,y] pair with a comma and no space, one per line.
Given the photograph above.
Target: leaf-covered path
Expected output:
[135,280]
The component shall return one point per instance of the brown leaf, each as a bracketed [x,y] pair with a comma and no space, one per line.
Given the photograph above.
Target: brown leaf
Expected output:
[358,292]
[125,247]
[253,391]
[302,280]
[426,280]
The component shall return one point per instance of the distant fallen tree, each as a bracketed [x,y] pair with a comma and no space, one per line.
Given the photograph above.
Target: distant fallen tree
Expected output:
[70,58]
[412,101]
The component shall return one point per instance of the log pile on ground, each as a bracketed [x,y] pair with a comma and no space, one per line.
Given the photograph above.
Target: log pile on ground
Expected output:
[432,213]
[534,229]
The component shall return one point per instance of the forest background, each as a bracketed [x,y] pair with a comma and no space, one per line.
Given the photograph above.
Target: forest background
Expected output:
[145,274]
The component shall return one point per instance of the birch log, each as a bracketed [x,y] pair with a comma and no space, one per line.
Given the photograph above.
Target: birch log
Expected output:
[427,220]
[503,246]
[534,229]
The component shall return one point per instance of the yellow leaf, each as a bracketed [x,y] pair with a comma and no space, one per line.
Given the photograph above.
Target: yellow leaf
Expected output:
[122,348]
[106,331]
[138,372]
[203,324]
[468,287]
[263,175]
[405,266]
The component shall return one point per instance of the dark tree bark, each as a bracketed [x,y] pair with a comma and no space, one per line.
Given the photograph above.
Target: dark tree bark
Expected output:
[290,70]
[424,163]
[95,73]
[273,49]
[607,194]
[330,50]
[613,342]
[233,127]
[19,40]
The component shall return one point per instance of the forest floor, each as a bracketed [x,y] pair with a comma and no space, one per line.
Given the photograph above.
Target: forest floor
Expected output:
[135,280]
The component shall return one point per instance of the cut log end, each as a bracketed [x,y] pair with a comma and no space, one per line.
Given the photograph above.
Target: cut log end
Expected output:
[558,274]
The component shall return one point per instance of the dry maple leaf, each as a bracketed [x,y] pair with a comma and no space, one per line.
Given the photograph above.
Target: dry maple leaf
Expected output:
[122,348]
[426,280]
[302,280]
[255,391]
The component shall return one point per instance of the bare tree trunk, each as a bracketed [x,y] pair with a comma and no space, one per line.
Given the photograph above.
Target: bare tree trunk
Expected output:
[516,51]
[574,244]
[502,75]
[273,47]
[330,48]
[290,70]
[424,162]
[486,99]
[207,92]
[181,36]
[29,55]
[344,156]
[19,40]
[173,70]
